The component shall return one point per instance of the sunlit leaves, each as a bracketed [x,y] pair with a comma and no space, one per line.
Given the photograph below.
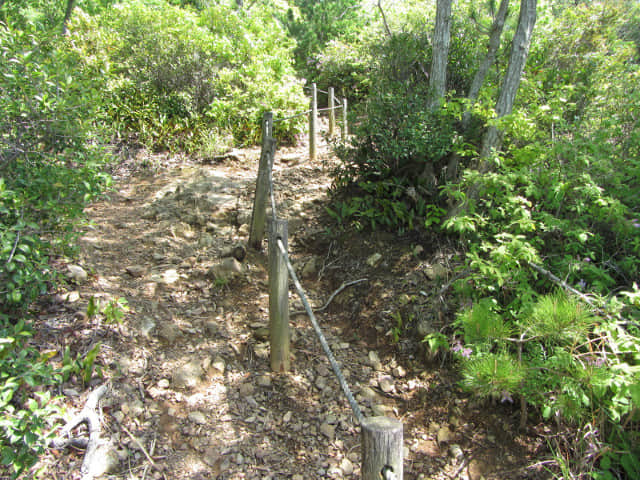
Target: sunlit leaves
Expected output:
[179,79]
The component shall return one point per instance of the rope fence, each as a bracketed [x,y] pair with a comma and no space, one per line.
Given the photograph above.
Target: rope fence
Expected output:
[381,437]
[292,116]
[325,109]
[317,89]
[323,341]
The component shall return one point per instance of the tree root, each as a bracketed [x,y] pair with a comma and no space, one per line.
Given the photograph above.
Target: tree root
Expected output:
[88,414]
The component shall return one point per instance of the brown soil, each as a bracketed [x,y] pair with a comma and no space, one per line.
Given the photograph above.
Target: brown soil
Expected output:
[155,242]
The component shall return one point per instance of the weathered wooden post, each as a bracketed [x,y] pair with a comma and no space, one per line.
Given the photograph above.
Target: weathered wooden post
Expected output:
[345,128]
[258,215]
[278,297]
[332,114]
[313,122]
[382,448]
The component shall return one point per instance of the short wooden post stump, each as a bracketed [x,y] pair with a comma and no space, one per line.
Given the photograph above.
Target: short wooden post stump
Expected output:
[382,448]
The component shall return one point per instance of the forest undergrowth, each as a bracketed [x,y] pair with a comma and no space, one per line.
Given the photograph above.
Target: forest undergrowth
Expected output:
[545,301]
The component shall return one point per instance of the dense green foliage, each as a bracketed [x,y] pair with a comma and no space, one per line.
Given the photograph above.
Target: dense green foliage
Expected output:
[25,424]
[50,166]
[574,367]
[196,81]
[143,71]
[562,193]
[314,24]
[401,145]
[196,75]
[50,163]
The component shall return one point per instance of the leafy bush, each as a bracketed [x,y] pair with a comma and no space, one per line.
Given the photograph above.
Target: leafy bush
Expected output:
[403,150]
[44,15]
[390,173]
[27,416]
[314,24]
[560,358]
[346,67]
[50,164]
[563,194]
[180,79]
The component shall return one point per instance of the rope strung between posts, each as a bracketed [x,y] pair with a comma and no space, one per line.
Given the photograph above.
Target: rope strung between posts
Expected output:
[307,112]
[317,90]
[323,341]
[325,109]
[337,103]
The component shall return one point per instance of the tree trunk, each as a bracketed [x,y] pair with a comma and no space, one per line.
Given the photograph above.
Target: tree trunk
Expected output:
[441,39]
[384,18]
[492,50]
[492,140]
[67,15]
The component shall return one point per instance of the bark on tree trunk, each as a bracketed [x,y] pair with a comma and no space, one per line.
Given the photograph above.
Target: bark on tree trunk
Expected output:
[493,137]
[67,15]
[441,39]
[487,62]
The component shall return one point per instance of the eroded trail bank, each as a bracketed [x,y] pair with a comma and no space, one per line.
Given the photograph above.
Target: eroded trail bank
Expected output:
[191,395]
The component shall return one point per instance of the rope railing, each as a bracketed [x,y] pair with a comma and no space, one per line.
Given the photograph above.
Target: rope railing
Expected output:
[323,341]
[317,89]
[333,103]
[382,437]
[325,109]
[305,302]
[307,112]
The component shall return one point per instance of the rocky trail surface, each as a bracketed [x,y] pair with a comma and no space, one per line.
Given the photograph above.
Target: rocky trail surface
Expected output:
[191,395]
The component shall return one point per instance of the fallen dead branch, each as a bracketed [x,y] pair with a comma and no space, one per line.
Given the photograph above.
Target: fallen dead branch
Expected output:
[140,446]
[558,281]
[332,296]
[563,284]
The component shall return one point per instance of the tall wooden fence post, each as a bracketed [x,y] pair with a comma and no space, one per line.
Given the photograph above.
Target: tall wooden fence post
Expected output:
[382,448]
[345,127]
[258,215]
[313,122]
[332,114]
[278,298]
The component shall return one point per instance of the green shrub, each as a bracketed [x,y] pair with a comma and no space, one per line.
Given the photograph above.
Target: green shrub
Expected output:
[346,67]
[314,24]
[50,163]
[390,174]
[180,79]
[569,364]
[27,416]
[403,150]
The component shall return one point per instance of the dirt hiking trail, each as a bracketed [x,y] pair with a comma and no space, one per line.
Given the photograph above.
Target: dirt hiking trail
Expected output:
[191,395]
